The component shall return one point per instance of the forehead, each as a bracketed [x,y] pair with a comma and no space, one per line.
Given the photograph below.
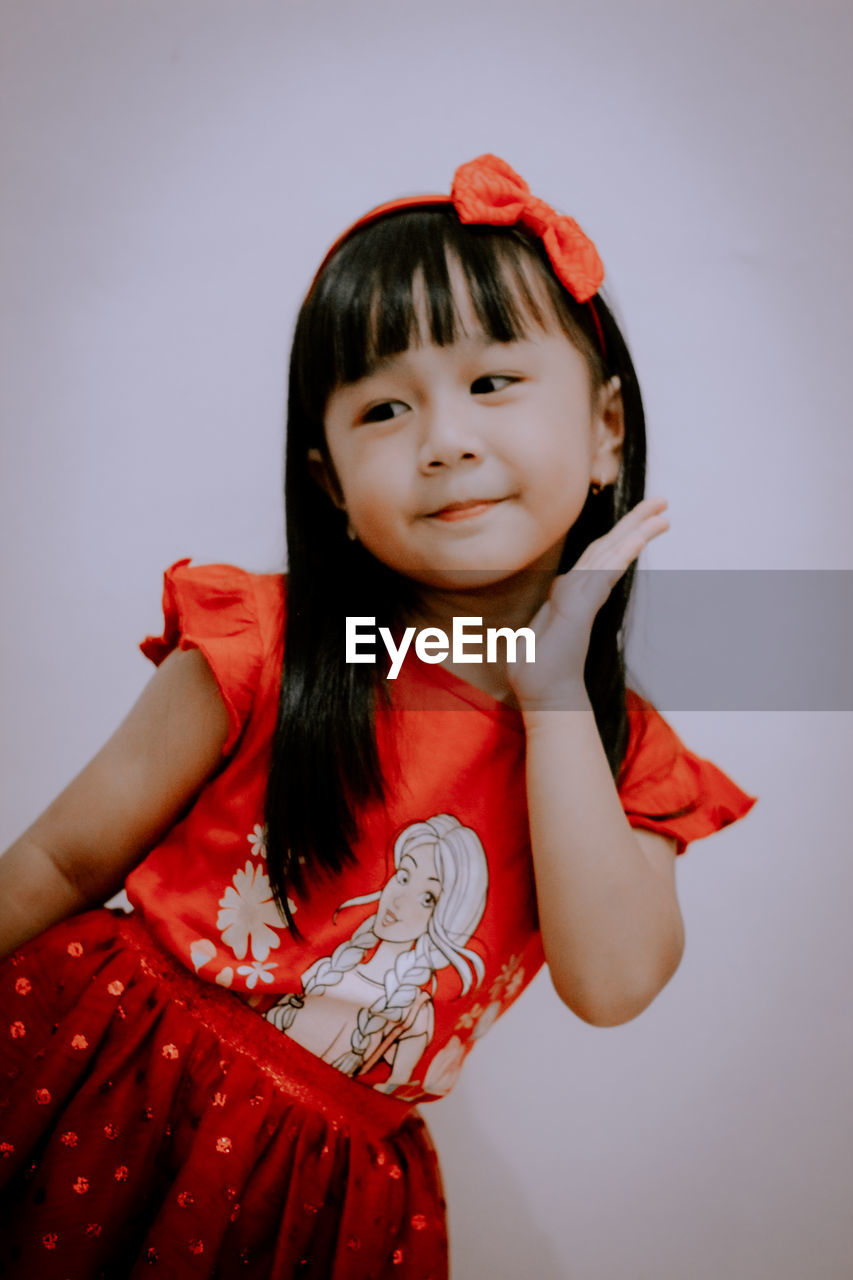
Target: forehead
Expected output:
[443,317]
[422,856]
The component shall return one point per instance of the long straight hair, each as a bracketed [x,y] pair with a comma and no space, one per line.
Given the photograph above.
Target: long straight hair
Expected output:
[362,308]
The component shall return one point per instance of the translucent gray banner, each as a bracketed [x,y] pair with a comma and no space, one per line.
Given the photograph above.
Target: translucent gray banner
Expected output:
[742,640]
[719,640]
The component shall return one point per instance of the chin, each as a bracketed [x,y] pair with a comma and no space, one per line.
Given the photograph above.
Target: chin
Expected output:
[463,579]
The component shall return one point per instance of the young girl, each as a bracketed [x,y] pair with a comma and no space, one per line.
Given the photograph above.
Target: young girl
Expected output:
[223,1082]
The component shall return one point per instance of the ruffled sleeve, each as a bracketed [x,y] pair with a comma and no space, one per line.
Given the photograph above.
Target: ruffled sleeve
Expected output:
[212,608]
[666,788]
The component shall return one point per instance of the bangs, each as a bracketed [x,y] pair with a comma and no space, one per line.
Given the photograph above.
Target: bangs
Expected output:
[390,287]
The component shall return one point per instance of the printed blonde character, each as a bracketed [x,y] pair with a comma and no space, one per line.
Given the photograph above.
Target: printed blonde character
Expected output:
[354,1012]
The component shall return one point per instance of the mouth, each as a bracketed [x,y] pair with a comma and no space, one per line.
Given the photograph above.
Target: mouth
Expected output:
[388,918]
[464,510]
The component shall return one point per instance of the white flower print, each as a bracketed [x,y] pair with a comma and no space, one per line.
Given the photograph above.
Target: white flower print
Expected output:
[202,952]
[507,981]
[488,1019]
[252,972]
[469,1019]
[257,838]
[225,976]
[249,914]
[443,1071]
[514,985]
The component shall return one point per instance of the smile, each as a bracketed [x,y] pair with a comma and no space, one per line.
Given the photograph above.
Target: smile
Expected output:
[388,918]
[465,510]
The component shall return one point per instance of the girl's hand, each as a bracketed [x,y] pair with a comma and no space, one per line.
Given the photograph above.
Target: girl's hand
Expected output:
[563,624]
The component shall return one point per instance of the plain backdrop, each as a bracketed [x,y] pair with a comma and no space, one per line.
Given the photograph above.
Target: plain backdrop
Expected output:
[171,172]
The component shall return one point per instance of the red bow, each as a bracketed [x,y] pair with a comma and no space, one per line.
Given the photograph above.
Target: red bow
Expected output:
[487,190]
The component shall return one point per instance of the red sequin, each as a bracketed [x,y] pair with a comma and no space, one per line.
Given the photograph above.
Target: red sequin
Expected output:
[185,1199]
[223,1145]
[75,949]
[43,1097]
[219,1099]
[256,1100]
[235,1213]
[6,1149]
[17,1030]
[69,1139]
[93,1229]
[81,1186]
[398,1257]
[231,1192]
[116,988]
[111,1132]
[380,1158]
[196,1246]
[152,1255]
[23,986]
[354,1244]
[169,1051]
[395,1171]
[49,1241]
[419,1222]
[79,1042]
[120,1174]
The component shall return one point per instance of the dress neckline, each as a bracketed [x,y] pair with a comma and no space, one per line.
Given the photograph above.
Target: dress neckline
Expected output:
[418,673]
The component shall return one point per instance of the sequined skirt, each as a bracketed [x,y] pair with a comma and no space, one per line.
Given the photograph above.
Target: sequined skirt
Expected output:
[150,1123]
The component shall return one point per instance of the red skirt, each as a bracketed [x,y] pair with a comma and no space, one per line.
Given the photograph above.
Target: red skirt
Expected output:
[152,1123]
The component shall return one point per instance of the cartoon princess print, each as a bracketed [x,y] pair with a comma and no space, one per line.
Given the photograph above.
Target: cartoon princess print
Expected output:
[370,1000]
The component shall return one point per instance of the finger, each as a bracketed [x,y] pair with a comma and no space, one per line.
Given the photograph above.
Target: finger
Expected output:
[623,543]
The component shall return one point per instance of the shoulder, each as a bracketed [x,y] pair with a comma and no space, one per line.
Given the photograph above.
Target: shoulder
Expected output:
[234,618]
[667,788]
[222,597]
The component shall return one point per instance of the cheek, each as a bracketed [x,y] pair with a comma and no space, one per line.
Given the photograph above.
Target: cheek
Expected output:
[368,484]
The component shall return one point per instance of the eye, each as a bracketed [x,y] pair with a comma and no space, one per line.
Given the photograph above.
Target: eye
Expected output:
[428,899]
[403,876]
[384,411]
[490,383]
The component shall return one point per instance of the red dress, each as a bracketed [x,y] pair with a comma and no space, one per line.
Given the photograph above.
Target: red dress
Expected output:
[191,1088]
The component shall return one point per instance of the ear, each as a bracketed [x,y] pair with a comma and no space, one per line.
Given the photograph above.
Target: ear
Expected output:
[608,432]
[321,470]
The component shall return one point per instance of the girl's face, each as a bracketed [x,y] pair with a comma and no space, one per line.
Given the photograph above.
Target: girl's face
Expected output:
[460,466]
[409,898]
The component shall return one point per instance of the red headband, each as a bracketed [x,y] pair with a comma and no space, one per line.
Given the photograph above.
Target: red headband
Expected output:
[487,192]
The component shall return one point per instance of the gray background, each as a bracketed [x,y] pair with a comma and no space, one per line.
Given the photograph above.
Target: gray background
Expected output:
[172,171]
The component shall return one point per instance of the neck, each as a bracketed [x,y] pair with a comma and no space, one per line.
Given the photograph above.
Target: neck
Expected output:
[511,603]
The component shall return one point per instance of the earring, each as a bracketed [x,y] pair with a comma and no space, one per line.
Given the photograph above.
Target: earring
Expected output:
[595,488]
[351,533]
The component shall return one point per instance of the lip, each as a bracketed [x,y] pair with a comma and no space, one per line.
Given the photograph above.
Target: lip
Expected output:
[465,510]
[388,918]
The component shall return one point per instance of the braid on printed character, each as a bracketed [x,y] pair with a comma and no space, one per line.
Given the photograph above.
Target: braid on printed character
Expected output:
[325,973]
[462,868]
[463,871]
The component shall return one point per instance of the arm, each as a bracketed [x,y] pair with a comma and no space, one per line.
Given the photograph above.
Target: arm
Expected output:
[611,926]
[86,842]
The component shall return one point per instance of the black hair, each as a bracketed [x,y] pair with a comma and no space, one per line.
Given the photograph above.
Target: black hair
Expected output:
[325,763]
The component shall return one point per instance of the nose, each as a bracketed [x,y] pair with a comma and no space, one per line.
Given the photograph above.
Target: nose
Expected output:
[448,437]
